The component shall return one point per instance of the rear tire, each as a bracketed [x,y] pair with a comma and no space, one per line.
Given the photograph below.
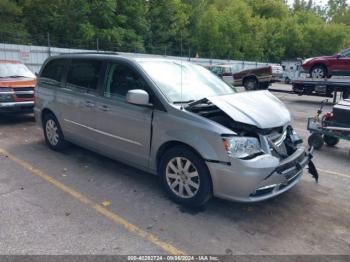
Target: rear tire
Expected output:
[185,177]
[264,86]
[330,140]
[316,140]
[53,133]
[251,84]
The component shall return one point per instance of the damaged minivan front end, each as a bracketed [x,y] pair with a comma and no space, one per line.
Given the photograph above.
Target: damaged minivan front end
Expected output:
[265,156]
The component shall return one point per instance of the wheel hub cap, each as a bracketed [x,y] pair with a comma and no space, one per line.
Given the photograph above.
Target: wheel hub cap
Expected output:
[182,177]
[51,132]
[318,73]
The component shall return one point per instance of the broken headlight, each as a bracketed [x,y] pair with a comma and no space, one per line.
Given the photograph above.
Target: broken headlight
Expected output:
[242,147]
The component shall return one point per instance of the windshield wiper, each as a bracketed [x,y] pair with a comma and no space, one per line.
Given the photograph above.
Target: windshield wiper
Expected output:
[14,76]
[183,102]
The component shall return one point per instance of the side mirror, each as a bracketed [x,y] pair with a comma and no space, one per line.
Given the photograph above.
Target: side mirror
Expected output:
[138,97]
[339,56]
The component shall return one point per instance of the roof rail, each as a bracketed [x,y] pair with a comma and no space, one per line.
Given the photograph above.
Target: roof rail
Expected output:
[91,53]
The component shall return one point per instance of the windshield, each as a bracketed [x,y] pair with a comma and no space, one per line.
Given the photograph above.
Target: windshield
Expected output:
[346,53]
[15,70]
[197,82]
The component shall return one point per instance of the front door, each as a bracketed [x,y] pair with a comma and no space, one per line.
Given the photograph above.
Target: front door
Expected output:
[344,63]
[124,129]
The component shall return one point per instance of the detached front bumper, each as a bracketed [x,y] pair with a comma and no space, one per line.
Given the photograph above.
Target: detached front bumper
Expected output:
[258,179]
[13,107]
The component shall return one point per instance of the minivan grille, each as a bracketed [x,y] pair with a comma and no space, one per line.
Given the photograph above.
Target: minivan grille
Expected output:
[277,143]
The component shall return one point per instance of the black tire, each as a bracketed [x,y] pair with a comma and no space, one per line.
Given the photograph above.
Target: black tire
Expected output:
[251,84]
[318,71]
[330,140]
[264,86]
[48,120]
[202,194]
[316,140]
[346,94]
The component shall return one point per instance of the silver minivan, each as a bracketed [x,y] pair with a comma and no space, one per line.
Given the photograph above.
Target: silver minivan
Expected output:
[174,119]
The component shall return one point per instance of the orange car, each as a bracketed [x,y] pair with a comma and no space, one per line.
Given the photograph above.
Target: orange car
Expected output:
[17,84]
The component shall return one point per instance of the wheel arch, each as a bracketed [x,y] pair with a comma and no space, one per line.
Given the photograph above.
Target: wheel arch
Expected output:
[250,77]
[322,64]
[44,112]
[171,144]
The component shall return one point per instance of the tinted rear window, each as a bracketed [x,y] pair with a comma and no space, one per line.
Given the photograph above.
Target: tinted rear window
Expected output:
[54,70]
[84,74]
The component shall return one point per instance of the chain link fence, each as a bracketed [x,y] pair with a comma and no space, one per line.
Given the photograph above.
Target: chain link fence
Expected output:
[18,48]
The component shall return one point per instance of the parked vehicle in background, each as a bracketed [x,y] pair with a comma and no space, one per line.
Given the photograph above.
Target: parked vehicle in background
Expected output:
[327,66]
[199,134]
[291,70]
[277,73]
[225,72]
[252,78]
[17,84]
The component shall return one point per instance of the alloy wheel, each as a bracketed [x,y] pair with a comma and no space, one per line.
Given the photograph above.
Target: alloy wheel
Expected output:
[52,132]
[318,72]
[182,177]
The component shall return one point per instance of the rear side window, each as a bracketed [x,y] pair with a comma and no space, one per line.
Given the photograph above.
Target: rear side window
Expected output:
[54,70]
[84,74]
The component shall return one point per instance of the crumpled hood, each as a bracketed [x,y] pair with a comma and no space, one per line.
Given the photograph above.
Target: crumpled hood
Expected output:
[257,108]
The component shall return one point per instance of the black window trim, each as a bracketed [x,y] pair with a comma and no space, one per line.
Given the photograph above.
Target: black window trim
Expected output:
[157,103]
[96,91]
[64,72]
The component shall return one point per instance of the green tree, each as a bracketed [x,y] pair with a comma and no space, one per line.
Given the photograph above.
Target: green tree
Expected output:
[12,29]
[63,19]
[168,24]
[269,8]
[339,11]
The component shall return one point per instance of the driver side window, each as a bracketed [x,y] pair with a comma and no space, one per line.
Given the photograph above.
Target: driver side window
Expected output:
[121,78]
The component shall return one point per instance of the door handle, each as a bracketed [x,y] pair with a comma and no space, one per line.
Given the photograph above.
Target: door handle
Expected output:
[104,108]
[89,104]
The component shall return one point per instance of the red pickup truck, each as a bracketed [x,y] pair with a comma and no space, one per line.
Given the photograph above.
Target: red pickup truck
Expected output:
[17,84]
[252,78]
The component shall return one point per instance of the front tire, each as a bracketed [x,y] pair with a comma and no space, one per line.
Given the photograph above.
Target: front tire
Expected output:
[53,133]
[316,140]
[318,71]
[264,86]
[185,177]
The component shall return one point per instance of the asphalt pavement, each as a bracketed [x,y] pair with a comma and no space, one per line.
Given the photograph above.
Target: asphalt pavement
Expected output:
[78,202]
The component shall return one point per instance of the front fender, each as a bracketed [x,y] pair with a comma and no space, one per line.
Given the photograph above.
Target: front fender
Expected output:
[201,138]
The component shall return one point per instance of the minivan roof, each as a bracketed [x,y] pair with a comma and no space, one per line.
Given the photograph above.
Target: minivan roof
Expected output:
[112,55]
